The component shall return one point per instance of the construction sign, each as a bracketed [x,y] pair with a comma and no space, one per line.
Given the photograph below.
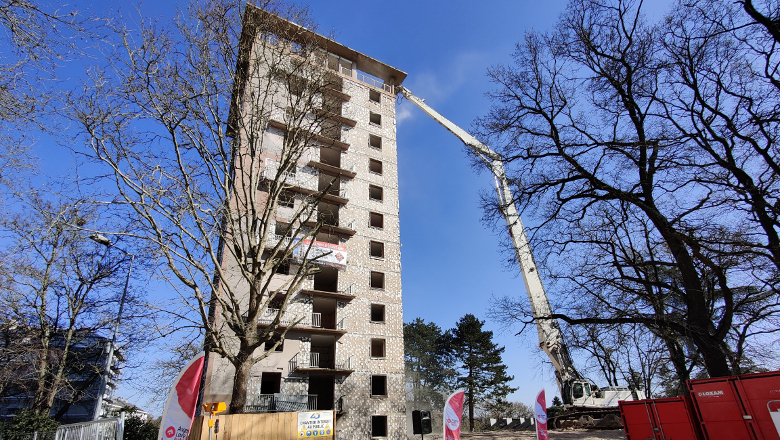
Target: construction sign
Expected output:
[315,424]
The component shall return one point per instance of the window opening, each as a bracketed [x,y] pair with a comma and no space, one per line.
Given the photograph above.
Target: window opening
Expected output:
[377,313]
[375,118]
[377,280]
[377,348]
[377,249]
[378,426]
[375,141]
[374,96]
[376,220]
[375,166]
[378,385]
[375,193]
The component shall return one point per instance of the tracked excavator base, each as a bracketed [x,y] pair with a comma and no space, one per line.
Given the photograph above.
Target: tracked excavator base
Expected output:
[588,419]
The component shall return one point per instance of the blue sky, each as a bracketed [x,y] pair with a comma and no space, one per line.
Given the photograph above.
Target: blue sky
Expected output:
[451,262]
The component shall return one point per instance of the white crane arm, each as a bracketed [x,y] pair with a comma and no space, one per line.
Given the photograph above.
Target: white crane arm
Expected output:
[550,336]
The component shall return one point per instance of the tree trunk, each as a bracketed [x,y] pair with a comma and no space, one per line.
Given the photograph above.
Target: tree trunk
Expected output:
[243,365]
[471,409]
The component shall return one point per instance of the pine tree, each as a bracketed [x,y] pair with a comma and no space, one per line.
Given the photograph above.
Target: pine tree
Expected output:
[483,373]
[428,361]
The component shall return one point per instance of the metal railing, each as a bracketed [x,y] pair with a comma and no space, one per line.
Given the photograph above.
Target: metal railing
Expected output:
[317,361]
[269,315]
[340,324]
[303,178]
[374,82]
[347,290]
[274,239]
[103,429]
[278,402]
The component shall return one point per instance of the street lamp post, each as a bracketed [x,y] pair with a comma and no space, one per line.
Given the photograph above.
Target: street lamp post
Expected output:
[105,241]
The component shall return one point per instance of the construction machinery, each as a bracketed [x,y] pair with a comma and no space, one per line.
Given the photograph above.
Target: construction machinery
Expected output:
[586,405]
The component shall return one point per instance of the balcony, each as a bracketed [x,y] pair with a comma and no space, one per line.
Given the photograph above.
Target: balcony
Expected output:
[348,293]
[304,178]
[317,363]
[278,120]
[264,403]
[311,321]
[332,163]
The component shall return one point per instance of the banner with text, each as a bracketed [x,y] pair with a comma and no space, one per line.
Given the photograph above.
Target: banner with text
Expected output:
[331,255]
[180,408]
[453,410]
[540,410]
[315,424]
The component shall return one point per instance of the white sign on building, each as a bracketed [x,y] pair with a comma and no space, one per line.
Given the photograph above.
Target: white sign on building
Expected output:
[315,424]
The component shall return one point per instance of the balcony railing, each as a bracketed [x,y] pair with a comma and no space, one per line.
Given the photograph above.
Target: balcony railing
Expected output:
[374,82]
[263,403]
[270,314]
[315,360]
[314,157]
[302,177]
[348,290]
[274,239]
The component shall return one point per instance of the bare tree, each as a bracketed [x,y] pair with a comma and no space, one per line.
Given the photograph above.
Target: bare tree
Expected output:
[203,127]
[647,154]
[36,40]
[60,291]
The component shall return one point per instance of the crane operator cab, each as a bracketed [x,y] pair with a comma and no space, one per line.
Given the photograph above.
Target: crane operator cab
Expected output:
[579,392]
[584,393]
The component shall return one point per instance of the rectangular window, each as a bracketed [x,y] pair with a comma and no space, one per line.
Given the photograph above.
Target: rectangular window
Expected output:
[378,426]
[375,193]
[377,348]
[375,166]
[374,96]
[376,220]
[286,199]
[377,280]
[377,313]
[283,268]
[378,385]
[375,141]
[377,249]
[274,339]
[375,118]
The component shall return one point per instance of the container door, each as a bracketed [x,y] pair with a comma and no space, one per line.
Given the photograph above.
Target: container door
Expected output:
[675,419]
[638,419]
[720,410]
[761,397]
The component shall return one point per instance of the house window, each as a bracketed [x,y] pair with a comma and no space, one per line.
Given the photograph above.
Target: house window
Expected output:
[374,96]
[287,199]
[377,280]
[375,141]
[375,166]
[283,268]
[378,385]
[377,348]
[276,337]
[378,426]
[375,118]
[377,313]
[375,193]
[377,249]
[376,220]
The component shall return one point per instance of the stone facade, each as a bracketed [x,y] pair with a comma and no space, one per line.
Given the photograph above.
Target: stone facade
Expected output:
[347,365]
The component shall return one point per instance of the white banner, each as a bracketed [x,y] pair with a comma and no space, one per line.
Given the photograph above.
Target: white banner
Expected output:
[331,255]
[315,424]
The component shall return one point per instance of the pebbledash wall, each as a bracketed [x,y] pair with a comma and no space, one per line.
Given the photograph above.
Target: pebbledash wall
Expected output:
[349,376]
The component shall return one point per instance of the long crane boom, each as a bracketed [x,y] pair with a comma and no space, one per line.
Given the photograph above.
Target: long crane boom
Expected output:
[550,335]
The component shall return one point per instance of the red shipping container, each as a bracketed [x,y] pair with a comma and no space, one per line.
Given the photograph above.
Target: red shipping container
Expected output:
[740,407]
[659,419]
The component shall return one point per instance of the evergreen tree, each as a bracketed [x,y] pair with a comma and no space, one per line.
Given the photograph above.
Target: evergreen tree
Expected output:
[482,372]
[428,364]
